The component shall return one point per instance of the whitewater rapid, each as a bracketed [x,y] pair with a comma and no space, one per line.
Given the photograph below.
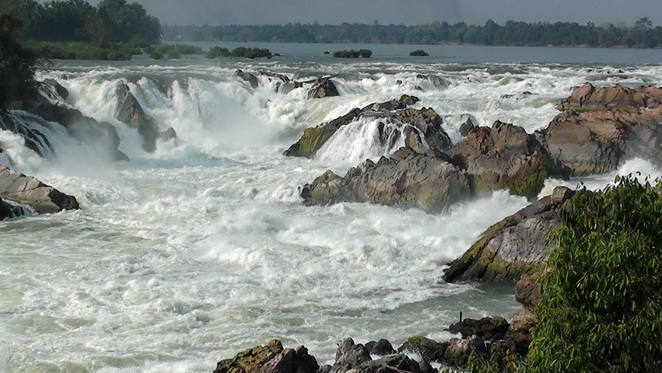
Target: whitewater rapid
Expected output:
[188,255]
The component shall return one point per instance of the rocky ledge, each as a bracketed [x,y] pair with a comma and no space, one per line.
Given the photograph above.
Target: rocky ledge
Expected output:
[27,190]
[418,126]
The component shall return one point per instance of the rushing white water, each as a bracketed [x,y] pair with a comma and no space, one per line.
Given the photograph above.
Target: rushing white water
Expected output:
[185,256]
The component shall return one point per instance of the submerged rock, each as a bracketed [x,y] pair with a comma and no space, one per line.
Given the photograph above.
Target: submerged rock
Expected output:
[248,77]
[323,87]
[518,244]
[27,190]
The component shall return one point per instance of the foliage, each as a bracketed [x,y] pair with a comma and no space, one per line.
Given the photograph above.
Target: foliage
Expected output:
[419,53]
[365,53]
[500,360]
[641,34]
[602,309]
[77,20]
[251,52]
[16,64]
[81,51]
[157,52]
[217,52]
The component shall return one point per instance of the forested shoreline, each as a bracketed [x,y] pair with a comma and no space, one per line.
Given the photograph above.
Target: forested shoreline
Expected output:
[640,35]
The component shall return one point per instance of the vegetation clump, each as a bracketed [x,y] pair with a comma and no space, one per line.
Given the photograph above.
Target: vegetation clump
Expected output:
[419,53]
[365,53]
[241,52]
[16,64]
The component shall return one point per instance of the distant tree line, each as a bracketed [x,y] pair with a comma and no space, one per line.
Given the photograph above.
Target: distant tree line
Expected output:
[112,21]
[641,35]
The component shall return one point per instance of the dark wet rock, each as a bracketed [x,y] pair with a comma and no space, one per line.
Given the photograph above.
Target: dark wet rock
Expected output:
[130,112]
[102,136]
[27,190]
[420,126]
[507,157]
[35,140]
[248,77]
[394,364]
[349,356]
[528,291]
[52,88]
[406,179]
[381,347]
[271,358]
[429,349]
[617,97]
[518,339]
[323,87]
[518,244]
[8,210]
[489,329]
[467,125]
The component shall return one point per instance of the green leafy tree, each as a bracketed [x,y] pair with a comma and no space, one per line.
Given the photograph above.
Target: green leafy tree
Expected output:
[602,310]
[16,64]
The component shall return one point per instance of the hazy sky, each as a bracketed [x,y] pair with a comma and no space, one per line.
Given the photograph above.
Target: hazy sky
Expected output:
[408,12]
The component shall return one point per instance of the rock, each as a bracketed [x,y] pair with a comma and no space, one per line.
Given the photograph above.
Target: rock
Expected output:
[429,350]
[349,356]
[130,112]
[516,245]
[467,125]
[490,329]
[506,157]
[437,82]
[394,364]
[27,190]
[528,291]
[250,78]
[406,179]
[271,358]
[34,139]
[102,136]
[459,350]
[8,211]
[381,347]
[600,141]
[518,339]
[323,87]
[617,97]
[168,134]
[418,125]
[52,88]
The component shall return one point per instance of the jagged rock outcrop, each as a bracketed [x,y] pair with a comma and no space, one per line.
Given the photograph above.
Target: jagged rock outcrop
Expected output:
[507,157]
[381,347]
[248,77]
[323,87]
[437,81]
[271,358]
[8,211]
[516,245]
[601,128]
[102,136]
[27,190]
[406,179]
[35,140]
[129,112]
[419,126]
[489,329]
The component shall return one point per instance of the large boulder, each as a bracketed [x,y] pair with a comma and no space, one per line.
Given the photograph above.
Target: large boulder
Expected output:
[518,244]
[323,87]
[507,157]
[419,126]
[406,179]
[248,77]
[102,136]
[601,128]
[129,112]
[271,358]
[27,190]
[349,356]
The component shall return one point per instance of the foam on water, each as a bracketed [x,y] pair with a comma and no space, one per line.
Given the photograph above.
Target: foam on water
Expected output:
[188,255]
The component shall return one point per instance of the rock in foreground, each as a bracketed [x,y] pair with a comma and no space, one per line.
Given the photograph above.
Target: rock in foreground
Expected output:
[27,190]
[516,245]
